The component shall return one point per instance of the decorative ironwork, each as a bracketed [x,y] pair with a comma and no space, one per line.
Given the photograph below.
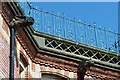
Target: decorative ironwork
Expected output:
[59,25]
[78,50]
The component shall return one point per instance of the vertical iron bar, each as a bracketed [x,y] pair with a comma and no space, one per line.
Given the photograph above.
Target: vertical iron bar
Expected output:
[54,19]
[119,43]
[75,30]
[67,36]
[119,27]
[105,38]
[52,24]
[78,30]
[64,33]
[12,52]
[115,48]
[109,46]
[56,27]
[95,34]
[85,33]
[41,22]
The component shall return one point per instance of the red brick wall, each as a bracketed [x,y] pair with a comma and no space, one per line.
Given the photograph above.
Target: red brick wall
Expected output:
[4,55]
[5,50]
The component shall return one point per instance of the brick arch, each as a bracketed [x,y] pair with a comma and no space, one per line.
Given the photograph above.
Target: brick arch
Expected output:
[63,77]
[59,72]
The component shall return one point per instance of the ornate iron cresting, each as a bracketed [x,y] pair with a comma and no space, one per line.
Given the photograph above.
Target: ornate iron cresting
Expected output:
[59,25]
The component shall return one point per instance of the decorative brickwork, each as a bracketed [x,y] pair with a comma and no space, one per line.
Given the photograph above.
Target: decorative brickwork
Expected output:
[63,73]
[104,73]
[56,62]
[33,67]
[28,75]
[7,12]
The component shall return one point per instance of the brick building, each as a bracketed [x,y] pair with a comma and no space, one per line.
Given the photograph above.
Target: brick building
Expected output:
[35,58]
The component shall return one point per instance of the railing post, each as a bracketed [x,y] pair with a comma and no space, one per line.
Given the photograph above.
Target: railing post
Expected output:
[64,33]
[85,32]
[95,34]
[119,43]
[75,31]
[119,27]
[41,20]
[105,39]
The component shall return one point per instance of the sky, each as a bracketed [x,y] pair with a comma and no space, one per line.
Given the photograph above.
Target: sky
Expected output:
[68,0]
[105,14]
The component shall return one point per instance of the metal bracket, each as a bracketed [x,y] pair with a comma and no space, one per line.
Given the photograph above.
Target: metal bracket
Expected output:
[83,66]
[21,21]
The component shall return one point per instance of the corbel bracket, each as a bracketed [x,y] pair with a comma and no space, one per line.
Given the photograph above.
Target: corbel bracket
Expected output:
[83,66]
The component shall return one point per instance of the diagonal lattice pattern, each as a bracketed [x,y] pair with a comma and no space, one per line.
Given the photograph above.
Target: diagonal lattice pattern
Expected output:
[78,50]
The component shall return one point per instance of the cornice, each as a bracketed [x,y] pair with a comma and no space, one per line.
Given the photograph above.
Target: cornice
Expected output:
[58,63]
[103,71]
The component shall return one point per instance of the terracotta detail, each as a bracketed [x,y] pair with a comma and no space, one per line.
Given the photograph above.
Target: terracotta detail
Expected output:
[28,75]
[103,73]
[33,67]
[57,63]
[7,12]
[26,43]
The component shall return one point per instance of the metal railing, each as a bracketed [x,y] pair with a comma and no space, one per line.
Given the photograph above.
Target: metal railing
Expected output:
[72,29]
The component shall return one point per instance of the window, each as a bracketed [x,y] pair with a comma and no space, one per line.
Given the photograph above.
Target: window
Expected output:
[23,64]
